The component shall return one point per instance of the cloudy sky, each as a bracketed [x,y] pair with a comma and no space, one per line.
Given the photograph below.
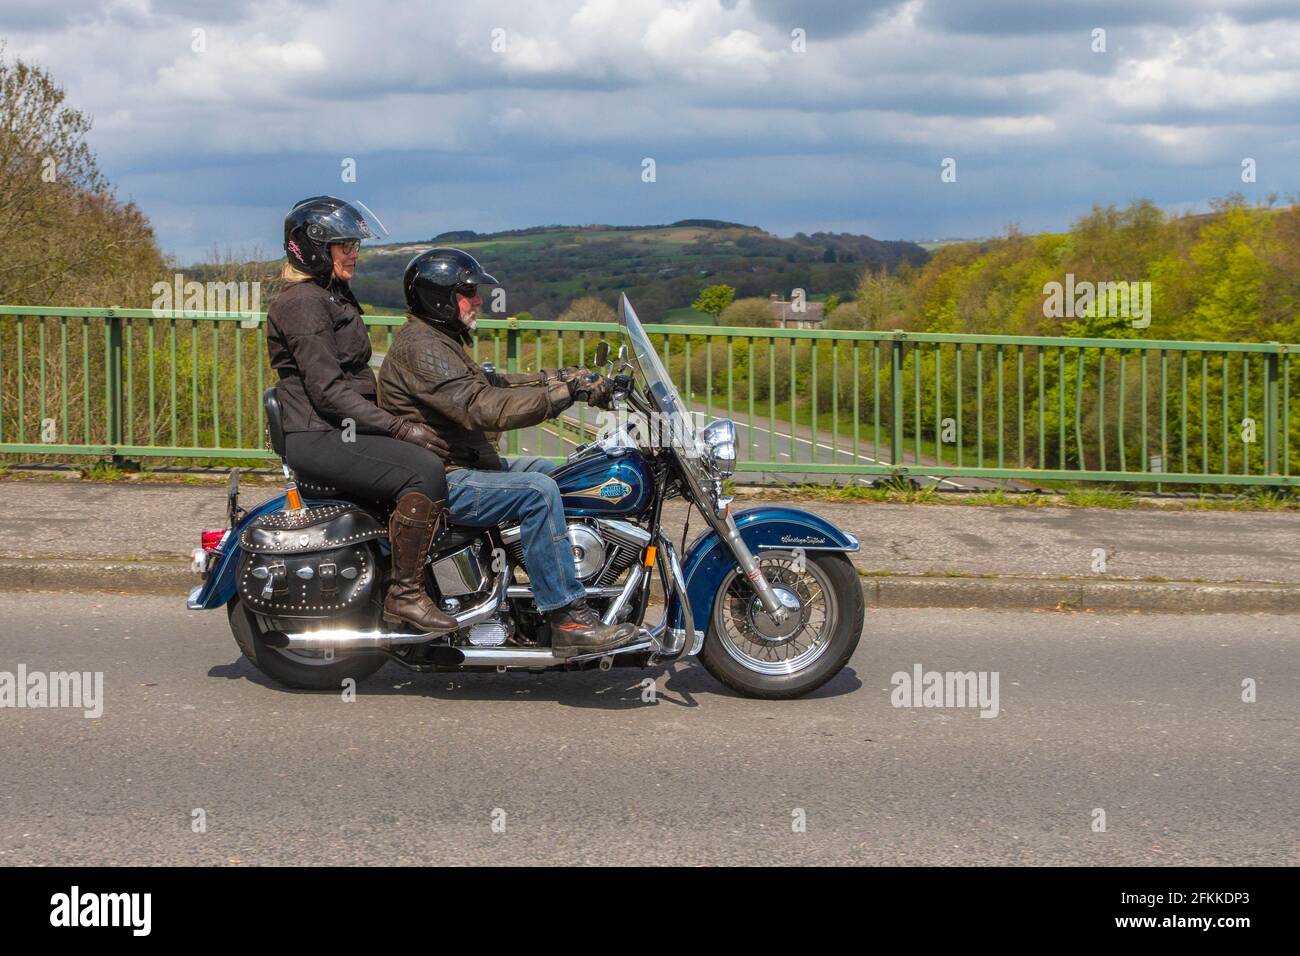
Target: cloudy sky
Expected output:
[787,114]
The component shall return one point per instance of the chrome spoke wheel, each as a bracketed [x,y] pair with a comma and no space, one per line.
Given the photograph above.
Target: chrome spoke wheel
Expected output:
[750,636]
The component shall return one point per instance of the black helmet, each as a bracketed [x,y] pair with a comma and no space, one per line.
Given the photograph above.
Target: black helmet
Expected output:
[434,277]
[314,223]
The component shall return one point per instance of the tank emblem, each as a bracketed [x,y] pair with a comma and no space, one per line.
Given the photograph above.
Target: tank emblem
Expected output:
[612,489]
[615,489]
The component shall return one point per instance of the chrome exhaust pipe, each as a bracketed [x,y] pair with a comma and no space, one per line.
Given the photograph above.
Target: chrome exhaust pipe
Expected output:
[542,656]
[489,607]
[624,595]
[502,658]
[519,592]
[338,639]
[672,642]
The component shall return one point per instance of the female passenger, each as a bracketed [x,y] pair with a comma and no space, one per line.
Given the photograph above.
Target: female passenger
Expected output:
[334,431]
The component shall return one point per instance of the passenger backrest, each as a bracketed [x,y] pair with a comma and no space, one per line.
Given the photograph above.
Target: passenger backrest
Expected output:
[274,420]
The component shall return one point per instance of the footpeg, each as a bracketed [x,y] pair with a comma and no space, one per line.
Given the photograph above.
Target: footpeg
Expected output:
[642,642]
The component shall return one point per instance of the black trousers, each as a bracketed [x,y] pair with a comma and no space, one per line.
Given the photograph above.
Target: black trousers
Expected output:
[371,467]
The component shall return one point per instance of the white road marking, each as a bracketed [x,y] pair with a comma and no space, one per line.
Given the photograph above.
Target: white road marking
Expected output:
[838,451]
[775,434]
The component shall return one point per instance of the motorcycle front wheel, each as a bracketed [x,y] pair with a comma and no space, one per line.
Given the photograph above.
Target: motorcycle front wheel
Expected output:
[745,650]
[301,670]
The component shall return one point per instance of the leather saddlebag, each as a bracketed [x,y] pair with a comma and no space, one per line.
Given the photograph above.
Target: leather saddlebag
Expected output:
[316,563]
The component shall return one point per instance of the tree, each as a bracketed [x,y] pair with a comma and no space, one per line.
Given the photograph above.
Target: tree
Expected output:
[588,309]
[713,299]
[64,238]
[881,303]
[749,313]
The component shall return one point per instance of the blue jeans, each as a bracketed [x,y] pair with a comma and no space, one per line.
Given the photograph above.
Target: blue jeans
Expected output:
[525,492]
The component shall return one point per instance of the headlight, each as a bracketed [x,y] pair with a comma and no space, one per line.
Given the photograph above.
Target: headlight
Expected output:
[719,439]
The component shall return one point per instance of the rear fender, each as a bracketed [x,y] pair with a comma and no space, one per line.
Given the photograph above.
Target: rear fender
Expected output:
[220,585]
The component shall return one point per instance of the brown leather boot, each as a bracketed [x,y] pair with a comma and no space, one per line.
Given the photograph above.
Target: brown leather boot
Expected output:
[577,629]
[411,529]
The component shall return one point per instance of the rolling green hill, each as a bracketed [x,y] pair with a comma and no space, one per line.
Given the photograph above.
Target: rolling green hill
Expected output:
[662,268]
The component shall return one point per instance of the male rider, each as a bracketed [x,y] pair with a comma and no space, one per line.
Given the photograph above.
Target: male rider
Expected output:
[428,376]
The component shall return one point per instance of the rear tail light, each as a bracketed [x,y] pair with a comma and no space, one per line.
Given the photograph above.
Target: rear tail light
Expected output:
[210,545]
[211,541]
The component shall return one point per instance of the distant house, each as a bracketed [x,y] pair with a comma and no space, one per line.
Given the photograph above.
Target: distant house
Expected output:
[808,316]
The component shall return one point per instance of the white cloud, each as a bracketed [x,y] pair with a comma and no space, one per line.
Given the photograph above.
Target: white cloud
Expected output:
[1221,64]
[703,85]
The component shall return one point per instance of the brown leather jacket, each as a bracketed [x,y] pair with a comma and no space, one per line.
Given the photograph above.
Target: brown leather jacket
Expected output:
[428,376]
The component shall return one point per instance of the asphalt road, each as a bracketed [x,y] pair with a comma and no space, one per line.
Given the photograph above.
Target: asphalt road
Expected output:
[761,439]
[1140,716]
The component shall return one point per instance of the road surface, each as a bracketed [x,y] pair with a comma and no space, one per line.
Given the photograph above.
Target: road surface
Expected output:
[1137,716]
[768,441]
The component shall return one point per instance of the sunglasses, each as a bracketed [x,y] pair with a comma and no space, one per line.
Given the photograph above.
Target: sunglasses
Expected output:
[349,246]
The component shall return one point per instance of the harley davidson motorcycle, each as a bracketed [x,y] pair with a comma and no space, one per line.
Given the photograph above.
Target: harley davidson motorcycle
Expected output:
[765,597]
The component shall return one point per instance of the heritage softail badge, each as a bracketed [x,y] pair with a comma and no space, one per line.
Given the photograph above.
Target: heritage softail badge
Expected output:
[803,540]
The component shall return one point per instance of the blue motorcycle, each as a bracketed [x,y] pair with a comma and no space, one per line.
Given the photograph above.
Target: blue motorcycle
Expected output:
[765,597]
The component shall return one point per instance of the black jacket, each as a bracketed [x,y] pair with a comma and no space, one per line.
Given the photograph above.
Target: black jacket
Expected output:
[318,344]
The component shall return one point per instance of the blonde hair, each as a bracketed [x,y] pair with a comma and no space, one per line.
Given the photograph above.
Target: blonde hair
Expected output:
[291,273]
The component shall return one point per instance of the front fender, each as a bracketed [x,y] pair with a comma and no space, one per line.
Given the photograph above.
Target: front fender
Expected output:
[220,587]
[708,560]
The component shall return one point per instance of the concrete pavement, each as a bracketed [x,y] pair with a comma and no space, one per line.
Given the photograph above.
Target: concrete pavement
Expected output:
[138,537]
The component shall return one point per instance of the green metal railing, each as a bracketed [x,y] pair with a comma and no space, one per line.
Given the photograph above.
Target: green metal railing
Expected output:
[139,384]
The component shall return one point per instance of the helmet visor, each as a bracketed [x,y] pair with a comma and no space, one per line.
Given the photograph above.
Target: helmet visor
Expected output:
[351,221]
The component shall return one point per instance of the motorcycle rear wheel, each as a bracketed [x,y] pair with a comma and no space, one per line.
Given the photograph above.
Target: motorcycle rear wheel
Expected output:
[776,666]
[301,670]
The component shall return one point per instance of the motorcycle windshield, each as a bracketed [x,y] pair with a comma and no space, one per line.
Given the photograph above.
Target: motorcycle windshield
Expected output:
[676,429]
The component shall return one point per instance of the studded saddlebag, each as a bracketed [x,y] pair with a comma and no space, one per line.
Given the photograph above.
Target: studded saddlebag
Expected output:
[315,563]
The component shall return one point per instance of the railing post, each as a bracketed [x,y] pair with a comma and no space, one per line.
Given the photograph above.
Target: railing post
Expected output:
[512,365]
[896,387]
[116,391]
[113,391]
[1271,437]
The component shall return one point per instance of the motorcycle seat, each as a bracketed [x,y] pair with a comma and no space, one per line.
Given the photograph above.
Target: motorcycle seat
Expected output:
[319,489]
[452,539]
[309,485]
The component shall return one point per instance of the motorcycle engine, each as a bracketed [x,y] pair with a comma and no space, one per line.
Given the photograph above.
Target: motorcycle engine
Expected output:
[602,548]
[588,550]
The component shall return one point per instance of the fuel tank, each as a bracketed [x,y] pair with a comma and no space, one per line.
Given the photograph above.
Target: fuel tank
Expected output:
[603,485]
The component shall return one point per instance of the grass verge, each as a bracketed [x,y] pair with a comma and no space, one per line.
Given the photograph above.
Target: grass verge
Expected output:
[1106,498]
